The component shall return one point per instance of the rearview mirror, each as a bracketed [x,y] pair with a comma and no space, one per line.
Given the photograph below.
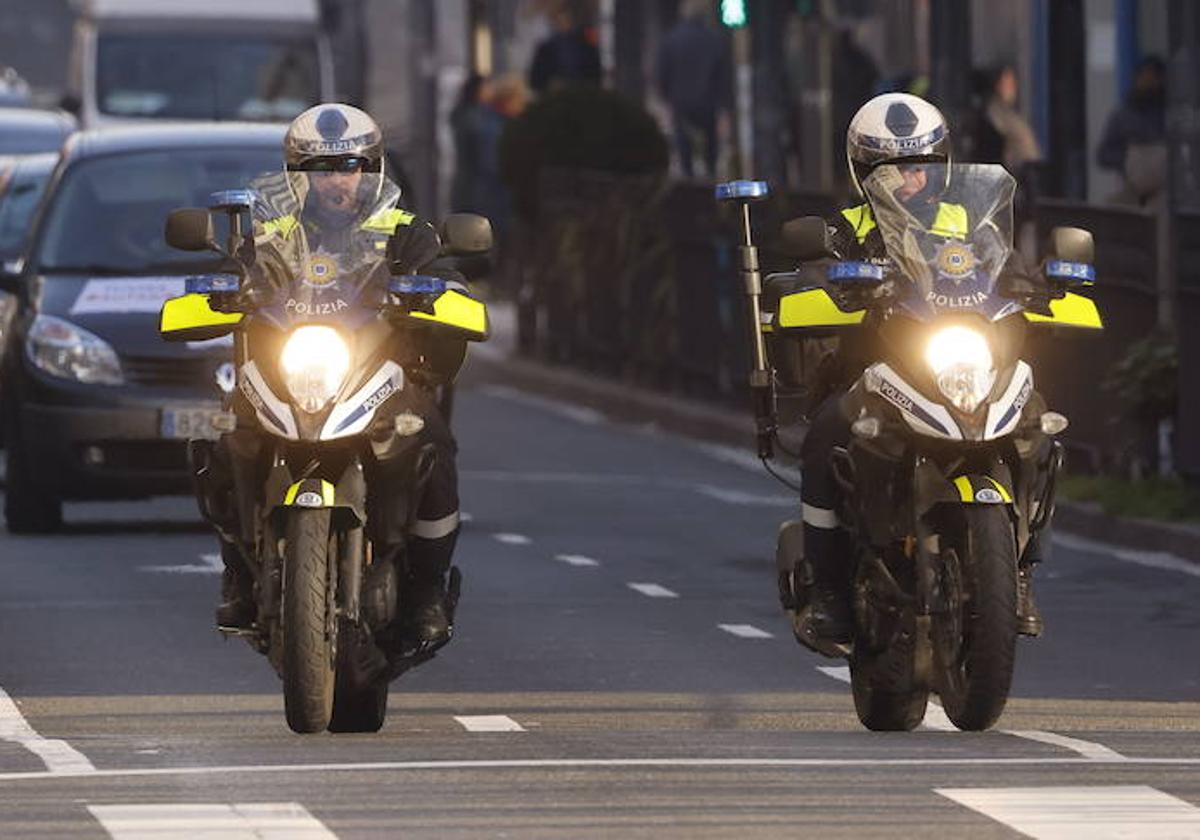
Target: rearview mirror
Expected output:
[191,229]
[807,238]
[466,235]
[1072,244]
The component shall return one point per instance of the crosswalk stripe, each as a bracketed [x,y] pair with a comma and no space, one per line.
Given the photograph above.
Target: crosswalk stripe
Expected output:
[489,723]
[237,821]
[745,631]
[577,560]
[1084,813]
[652,590]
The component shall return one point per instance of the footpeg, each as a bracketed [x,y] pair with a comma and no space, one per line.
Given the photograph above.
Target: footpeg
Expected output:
[803,631]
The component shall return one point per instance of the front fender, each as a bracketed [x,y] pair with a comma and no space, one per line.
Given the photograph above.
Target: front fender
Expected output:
[346,498]
[990,487]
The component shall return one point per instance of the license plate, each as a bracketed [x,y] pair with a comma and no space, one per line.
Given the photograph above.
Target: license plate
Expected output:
[188,422]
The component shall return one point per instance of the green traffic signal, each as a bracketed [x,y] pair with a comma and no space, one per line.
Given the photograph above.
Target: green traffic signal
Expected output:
[733,13]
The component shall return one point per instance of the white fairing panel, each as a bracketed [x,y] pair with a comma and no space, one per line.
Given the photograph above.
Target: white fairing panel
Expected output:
[923,416]
[1005,412]
[274,414]
[354,415]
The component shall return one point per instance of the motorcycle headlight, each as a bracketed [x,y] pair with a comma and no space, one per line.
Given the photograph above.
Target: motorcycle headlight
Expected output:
[65,350]
[315,363]
[962,365]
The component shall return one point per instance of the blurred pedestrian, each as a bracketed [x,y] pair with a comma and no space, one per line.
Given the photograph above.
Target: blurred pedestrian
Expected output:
[855,79]
[1003,135]
[504,98]
[1135,138]
[568,56]
[695,80]
[464,125]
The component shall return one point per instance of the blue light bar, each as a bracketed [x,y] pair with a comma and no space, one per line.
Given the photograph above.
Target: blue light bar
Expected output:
[1071,271]
[233,200]
[855,272]
[742,190]
[207,284]
[416,284]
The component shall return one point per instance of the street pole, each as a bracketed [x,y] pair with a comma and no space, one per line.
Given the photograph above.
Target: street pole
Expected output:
[744,100]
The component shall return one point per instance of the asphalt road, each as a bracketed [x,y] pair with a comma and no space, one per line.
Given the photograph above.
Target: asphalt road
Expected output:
[620,670]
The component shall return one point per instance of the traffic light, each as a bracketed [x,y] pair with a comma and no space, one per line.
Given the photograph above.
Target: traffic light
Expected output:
[733,13]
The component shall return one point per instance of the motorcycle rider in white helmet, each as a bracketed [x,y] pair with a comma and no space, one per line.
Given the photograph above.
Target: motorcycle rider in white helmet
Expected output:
[903,130]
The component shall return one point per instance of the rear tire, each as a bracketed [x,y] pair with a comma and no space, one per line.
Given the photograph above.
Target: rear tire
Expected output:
[975,687]
[28,507]
[308,639]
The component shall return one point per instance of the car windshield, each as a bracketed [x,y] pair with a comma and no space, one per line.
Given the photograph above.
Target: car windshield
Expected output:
[21,186]
[948,229]
[206,78]
[108,213]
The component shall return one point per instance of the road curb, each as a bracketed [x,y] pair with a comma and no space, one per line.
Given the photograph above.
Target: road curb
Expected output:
[717,424]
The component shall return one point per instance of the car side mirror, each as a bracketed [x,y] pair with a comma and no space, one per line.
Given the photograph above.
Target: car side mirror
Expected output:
[1072,244]
[70,103]
[191,229]
[807,239]
[466,235]
[10,275]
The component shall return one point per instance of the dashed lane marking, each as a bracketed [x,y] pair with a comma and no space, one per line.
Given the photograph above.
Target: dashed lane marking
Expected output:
[652,590]
[512,539]
[741,498]
[577,560]
[1084,813]
[58,756]
[489,723]
[239,821]
[937,720]
[745,631]
[210,564]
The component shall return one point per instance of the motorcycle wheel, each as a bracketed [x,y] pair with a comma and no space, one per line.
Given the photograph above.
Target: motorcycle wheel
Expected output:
[357,706]
[975,684]
[308,644]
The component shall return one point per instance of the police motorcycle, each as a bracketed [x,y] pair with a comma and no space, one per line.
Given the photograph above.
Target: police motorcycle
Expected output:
[949,476]
[319,405]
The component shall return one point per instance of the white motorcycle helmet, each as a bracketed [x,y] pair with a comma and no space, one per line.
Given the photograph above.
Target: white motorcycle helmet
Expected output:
[895,127]
[335,138]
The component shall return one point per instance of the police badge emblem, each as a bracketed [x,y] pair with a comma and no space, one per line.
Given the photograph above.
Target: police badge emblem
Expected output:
[321,271]
[955,261]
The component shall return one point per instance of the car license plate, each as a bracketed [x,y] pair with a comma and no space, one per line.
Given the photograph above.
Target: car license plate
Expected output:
[188,422]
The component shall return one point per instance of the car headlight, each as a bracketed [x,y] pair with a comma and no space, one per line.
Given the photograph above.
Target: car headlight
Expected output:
[962,365]
[315,363]
[63,349]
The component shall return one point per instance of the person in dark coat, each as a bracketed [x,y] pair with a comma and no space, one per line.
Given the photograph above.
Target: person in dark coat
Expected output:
[568,56]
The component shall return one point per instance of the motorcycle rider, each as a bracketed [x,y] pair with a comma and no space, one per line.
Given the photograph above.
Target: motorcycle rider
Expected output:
[906,131]
[333,206]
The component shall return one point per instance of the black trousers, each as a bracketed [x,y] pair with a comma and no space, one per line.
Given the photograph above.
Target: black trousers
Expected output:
[826,542]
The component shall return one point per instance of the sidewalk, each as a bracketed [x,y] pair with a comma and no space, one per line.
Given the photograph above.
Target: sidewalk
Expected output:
[497,361]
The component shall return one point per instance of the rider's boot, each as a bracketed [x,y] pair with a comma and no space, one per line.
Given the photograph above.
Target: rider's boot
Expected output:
[236,609]
[830,615]
[1029,617]
[426,619]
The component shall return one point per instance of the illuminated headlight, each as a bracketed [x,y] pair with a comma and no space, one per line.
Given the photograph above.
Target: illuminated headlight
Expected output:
[962,364]
[62,349]
[315,363]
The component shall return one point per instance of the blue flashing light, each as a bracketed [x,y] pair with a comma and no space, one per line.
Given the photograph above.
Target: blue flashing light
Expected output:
[233,200]
[1071,271]
[855,272]
[416,284]
[742,190]
[207,284]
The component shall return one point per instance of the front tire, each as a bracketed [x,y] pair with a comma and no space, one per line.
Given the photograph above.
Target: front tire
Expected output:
[308,638]
[975,684]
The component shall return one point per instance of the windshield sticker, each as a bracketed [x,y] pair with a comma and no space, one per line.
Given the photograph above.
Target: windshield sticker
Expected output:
[121,296]
[309,308]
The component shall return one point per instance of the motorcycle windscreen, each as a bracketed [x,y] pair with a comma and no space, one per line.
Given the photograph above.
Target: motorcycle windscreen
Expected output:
[948,228]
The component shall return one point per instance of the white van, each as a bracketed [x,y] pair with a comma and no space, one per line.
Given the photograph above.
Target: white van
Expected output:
[135,60]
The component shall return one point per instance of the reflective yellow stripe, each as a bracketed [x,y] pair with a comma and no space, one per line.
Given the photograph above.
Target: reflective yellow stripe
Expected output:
[290,497]
[965,491]
[192,312]
[814,308]
[1001,489]
[1071,311]
[327,494]
[283,226]
[951,221]
[861,219]
[454,309]
[387,221]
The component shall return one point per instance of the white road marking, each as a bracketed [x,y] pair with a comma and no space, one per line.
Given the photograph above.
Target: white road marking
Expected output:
[489,723]
[579,414]
[512,539]
[239,821]
[1084,813]
[743,458]
[463,516]
[556,763]
[652,590]
[937,720]
[210,564]
[745,631]
[577,560]
[1150,559]
[744,499]
[58,756]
